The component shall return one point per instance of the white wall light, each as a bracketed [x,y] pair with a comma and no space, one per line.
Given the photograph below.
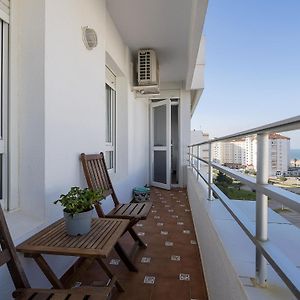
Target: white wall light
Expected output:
[89,37]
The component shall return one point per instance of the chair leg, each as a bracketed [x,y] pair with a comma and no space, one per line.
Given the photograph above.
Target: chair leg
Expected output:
[137,238]
[125,258]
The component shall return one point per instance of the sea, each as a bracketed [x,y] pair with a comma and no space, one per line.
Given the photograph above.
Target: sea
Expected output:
[294,153]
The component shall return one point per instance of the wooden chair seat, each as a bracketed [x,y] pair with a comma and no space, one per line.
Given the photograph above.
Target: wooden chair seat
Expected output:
[131,211]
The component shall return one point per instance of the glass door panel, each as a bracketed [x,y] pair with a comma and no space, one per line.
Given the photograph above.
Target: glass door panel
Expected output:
[161,143]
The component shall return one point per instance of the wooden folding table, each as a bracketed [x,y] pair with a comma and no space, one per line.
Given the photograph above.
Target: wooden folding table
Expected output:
[95,245]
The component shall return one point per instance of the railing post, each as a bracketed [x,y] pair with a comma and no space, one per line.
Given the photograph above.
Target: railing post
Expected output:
[198,161]
[209,173]
[262,177]
[189,155]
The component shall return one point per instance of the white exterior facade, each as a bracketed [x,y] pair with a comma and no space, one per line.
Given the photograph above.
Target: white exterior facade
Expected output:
[198,136]
[243,152]
[58,110]
[279,154]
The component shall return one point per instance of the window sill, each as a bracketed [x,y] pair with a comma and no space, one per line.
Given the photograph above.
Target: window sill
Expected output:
[22,225]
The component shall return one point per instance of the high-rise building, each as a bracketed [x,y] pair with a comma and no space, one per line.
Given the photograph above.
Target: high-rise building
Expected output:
[198,136]
[243,152]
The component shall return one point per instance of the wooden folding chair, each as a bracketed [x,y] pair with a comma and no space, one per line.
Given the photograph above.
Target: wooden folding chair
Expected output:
[23,291]
[97,177]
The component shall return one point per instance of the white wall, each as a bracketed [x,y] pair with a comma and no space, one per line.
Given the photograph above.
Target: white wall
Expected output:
[30,90]
[184,136]
[74,92]
[59,100]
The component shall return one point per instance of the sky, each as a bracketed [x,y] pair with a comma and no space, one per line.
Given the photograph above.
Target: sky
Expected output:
[252,71]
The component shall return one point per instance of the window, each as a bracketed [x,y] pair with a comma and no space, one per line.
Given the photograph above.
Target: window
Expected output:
[110,138]
[3,111]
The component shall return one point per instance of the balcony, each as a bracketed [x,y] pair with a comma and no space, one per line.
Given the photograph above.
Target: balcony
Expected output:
[171,264]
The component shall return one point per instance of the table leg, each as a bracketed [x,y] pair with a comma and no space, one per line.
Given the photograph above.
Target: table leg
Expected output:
[76,272]
[109,274]
[137,238]
[125,258]
[47,271]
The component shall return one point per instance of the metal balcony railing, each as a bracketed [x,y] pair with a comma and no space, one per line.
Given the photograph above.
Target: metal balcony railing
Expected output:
[266,251]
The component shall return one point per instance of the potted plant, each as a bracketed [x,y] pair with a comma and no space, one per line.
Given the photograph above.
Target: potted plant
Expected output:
[78,209]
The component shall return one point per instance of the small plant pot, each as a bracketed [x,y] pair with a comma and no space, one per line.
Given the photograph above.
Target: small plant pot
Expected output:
[78,224]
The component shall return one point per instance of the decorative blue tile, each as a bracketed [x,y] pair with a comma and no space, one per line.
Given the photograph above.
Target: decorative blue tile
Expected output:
[175,258]
[145,260]
[149,280]
[114,262]
[184,277]
[169,244]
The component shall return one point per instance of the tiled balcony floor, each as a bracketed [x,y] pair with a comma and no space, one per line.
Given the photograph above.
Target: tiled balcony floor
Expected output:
[170,267]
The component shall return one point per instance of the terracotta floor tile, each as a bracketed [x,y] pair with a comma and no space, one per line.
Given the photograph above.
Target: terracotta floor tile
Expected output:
[166,272]
[168,288]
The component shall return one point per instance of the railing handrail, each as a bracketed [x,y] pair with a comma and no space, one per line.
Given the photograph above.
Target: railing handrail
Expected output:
[284,197]
[265,249]
[280,126]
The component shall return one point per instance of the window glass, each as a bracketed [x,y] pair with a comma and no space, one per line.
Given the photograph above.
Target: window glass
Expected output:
[110,153]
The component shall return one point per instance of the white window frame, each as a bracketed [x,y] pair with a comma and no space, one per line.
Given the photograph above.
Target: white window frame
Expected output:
[110,124]
[4,63]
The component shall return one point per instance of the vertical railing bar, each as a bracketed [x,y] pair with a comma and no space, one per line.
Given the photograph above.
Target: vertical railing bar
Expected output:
[198,162]
[262,177]
[209,173]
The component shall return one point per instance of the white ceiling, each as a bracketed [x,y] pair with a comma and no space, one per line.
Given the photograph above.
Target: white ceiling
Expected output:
[163,25]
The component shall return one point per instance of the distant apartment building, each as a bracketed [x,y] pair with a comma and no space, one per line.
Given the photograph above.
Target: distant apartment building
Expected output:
[279,154]
[198,136]
[243,153]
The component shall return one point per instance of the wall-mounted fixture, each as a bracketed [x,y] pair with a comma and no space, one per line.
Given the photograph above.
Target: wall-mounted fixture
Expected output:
[147,74]
[89,37]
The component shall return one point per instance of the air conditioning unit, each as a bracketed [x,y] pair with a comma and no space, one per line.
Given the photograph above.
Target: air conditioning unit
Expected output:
[148,69]
[147,74]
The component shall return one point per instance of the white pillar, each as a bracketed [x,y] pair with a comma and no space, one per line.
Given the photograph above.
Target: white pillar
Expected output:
[262,177]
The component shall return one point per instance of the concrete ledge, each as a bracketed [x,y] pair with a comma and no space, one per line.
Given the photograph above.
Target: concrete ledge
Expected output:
[228,256]
[221,278]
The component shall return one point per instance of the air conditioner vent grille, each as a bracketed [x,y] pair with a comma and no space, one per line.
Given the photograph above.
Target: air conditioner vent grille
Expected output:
[147,67]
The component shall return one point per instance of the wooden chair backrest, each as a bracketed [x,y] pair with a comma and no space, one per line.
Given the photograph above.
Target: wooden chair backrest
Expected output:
[97,176]
[9,256]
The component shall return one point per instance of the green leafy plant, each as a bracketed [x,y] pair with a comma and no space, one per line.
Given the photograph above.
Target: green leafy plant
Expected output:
[79,200]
